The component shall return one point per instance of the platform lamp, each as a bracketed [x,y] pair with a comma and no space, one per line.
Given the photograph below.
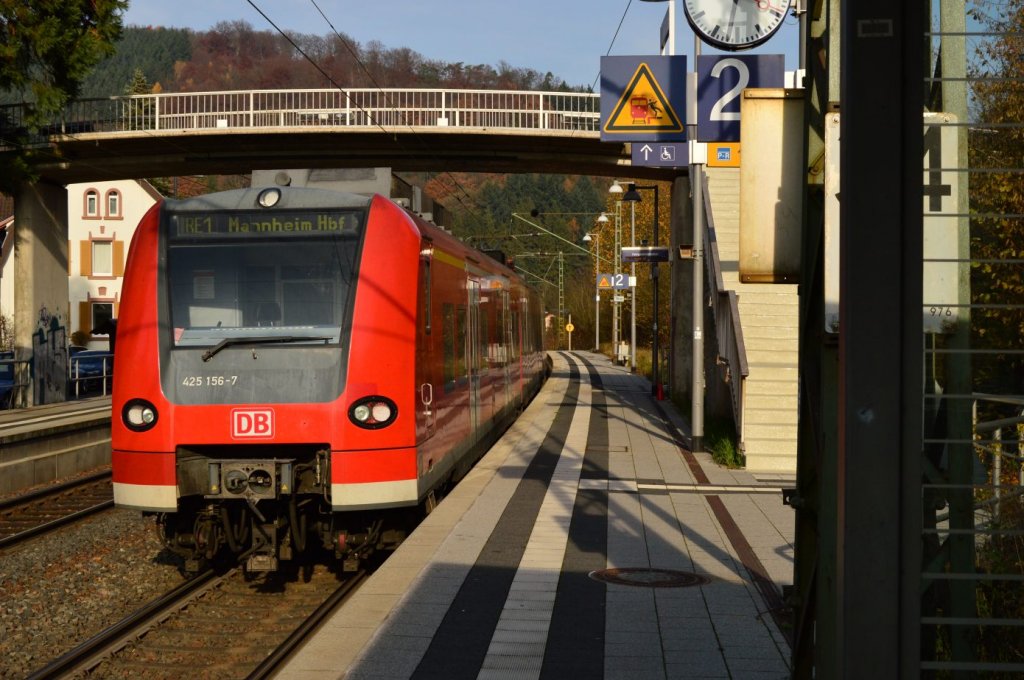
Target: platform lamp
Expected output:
[655,391]
[632,196]
[596,237]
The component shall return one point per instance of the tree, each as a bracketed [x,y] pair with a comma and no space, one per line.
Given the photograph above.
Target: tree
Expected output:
[47,47]
[997,197]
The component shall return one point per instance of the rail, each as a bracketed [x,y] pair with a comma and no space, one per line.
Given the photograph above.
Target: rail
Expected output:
[388,109]
[15,379]
[726,316]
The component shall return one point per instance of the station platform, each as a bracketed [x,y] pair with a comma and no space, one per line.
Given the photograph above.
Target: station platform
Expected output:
[589,542]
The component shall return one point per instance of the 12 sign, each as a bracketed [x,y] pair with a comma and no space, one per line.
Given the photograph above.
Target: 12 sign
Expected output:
[720,82]
[612,281]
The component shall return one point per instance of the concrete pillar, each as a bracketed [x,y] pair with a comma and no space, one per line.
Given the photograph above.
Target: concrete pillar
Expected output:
[681,232]
[41,288]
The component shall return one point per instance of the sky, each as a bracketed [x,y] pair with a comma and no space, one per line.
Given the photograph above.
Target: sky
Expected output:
[565,37]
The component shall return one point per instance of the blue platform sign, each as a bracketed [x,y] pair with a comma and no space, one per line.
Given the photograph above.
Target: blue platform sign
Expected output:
[644,254]
[643,99]
[721,80]
[658,154]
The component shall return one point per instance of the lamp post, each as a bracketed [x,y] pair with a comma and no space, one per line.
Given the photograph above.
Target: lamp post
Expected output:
[601,221]
[634,196]
[616,190]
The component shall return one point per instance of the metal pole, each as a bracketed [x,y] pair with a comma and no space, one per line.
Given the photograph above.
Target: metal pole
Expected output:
[654,303]
[597,293]
[632,290]
[697,386]
[616,334]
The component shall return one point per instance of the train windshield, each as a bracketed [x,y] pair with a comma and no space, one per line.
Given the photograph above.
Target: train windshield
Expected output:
[263,285]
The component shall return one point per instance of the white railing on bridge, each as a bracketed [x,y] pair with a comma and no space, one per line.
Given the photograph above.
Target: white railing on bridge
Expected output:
[391,109]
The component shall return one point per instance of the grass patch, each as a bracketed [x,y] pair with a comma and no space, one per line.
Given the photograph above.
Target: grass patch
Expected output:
[720,441]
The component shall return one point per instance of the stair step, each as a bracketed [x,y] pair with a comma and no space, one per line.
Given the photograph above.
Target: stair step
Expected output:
[768,463]
[769,416]
[759,355]
[768,320]
[771,388]
[772,373]
[788,332]
[771,401]
[768,432]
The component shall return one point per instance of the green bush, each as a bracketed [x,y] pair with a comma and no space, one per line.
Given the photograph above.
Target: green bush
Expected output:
[720,441]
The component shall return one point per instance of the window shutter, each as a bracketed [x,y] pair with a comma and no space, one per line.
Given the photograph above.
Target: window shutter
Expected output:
[85,317]
[118,258]
[85,248]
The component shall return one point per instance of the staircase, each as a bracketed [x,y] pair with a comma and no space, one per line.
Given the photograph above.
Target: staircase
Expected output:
[769,321]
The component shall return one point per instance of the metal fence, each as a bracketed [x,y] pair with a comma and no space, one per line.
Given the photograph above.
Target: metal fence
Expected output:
[972,577]
[88,376]
[341,108]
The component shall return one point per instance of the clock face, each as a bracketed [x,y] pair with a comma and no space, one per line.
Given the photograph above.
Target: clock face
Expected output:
[735,24]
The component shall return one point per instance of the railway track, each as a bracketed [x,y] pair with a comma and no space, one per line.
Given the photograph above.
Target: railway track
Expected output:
[43,510]
[211,626]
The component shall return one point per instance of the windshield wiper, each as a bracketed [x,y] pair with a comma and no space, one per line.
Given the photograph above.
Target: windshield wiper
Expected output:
[262,340]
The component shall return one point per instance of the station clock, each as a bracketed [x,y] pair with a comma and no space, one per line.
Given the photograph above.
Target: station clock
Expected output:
[735,24]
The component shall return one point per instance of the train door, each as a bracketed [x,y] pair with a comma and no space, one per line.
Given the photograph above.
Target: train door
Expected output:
[426,419]
[473,352]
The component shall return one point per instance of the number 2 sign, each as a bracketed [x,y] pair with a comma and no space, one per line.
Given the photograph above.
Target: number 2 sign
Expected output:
[721,80]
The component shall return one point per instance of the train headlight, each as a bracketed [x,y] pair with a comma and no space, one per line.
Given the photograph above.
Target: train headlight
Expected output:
[373,412]
[268,198]
[139,415]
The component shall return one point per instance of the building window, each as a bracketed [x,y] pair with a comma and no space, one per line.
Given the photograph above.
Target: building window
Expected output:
[92,203]
[102,258]
[102,313]
[113,203]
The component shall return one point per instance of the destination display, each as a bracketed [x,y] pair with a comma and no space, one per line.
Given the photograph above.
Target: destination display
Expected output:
[262,224]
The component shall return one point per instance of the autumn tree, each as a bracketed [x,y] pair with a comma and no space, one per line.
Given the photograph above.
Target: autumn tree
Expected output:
[47,48]
[996,147]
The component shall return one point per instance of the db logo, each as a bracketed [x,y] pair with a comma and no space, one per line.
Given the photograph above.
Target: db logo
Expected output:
[252,423]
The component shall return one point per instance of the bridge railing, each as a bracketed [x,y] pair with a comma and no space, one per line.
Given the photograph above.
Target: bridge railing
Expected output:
[349,108]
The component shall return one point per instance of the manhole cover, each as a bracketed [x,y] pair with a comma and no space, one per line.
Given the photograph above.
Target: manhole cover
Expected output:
[651,578]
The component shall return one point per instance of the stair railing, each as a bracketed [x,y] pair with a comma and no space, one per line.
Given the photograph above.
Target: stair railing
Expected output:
[724,308]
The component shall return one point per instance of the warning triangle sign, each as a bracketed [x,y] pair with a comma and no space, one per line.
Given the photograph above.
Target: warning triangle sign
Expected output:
[643,107]
[604,282]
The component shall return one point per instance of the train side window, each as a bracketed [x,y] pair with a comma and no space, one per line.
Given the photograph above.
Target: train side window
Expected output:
[485,338]
[461,364]
[448,340]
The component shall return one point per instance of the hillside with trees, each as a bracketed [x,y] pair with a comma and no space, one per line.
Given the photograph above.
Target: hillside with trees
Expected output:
[236,56]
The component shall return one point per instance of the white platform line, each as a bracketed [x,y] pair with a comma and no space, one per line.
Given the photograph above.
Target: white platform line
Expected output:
[536,580]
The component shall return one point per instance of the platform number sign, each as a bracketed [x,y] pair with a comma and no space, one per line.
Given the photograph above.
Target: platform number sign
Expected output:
[720,84]
[612,281]
[941,223]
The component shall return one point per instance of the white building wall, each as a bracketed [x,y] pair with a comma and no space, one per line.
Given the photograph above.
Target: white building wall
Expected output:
[98,220]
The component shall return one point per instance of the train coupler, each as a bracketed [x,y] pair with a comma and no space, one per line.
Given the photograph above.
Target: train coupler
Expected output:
[264,555]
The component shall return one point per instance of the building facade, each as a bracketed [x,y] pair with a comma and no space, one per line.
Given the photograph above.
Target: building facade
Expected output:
[102,217]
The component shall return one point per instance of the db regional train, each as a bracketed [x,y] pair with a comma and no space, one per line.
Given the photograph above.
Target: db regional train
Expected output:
[295,364]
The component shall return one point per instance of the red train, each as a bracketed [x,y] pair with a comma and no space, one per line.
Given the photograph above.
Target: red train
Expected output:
[294,362]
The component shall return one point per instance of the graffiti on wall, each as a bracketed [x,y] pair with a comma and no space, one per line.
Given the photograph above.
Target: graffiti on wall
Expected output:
[50,358]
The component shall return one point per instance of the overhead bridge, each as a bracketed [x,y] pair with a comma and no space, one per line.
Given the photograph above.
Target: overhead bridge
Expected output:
[405,129]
